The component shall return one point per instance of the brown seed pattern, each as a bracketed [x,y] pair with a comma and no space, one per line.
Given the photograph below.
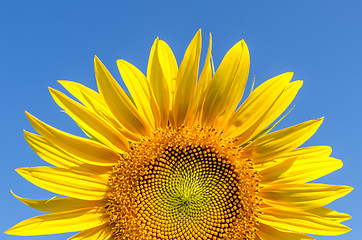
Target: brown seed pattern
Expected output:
[184,183]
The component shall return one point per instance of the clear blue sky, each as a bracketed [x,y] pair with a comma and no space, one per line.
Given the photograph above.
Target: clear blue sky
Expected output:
[45,41]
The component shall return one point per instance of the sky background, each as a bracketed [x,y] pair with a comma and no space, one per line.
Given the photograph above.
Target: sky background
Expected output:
[45,41]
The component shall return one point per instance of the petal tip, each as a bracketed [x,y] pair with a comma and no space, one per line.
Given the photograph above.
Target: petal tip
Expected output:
[349,189]
[8,232]
[96,60]
[19,170]
[52,90]
[299,82]
[16,196]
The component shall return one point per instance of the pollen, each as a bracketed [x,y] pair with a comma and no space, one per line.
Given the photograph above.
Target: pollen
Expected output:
[184,183]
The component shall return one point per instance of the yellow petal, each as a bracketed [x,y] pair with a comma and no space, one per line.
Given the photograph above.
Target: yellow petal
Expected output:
[299,153]
[332,215]
[70,221]
[55,156]
[50,153]
[85,150]
[302,196]
[62,181]
[102,232]
[300,170]
[159,84]
[60,204]
[276,109]
[256,105]
[140,90]
[186,79]
[277,143]
[300,221]
[169,67]
[204,80]
[226,88]
[269,233]
[90,98]
[90,122]
[118,101]
[94,102]
[307,152]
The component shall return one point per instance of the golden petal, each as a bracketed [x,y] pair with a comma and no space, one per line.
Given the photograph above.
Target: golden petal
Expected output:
[300,170]
[59,204]
[280,142]
[186,80]
[205,77]
[80,185]
[226,88]
[119,102]
[269,233]
[95,103]
[302,196]
[330,214]
[160,84]
[301,221]
[91,123]
[140,90]
[62,222]
[102,232]
[85,150]
[256,106]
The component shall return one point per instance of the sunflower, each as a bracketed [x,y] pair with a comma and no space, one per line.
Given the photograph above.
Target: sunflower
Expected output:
[178,159]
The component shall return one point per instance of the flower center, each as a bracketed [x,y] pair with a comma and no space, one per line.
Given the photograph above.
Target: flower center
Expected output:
[184,183]
[189,191]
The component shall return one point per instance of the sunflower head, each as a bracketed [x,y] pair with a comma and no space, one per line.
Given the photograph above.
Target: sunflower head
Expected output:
[178,157]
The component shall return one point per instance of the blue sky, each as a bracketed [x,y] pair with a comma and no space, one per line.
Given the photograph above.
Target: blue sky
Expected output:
[45,41]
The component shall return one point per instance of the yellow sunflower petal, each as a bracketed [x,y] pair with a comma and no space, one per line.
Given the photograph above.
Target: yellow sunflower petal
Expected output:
[302,196]
[226,88]
[85,150]
[102,232]
[159,84]
[90,98]
[276,109]
[169,67]
[118,101]
[302,222]
[55,156]
[270,146]
[70,221]
[307,152]
[251,118]
[269,233]
[90,122]
[300,154]
[295,170]
[257,104]
[140,90]
[162,71]
[95,103]
[50,153]
[186,79]
[60,204]
[62,181]
[330,214]
[204,80]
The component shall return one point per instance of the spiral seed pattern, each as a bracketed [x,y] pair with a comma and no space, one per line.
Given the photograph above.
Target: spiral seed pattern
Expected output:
[184,184]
